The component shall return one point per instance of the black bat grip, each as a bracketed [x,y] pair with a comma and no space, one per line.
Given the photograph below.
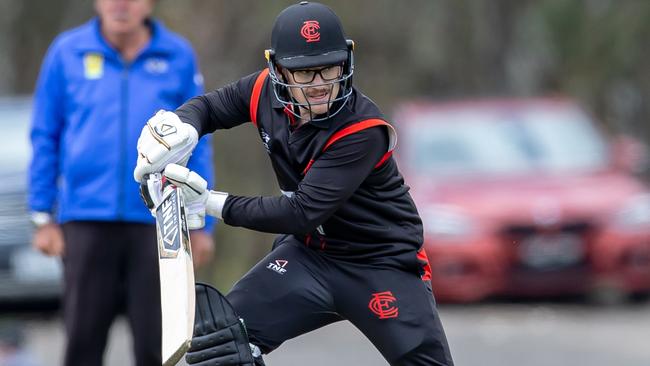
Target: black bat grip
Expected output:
[144,193]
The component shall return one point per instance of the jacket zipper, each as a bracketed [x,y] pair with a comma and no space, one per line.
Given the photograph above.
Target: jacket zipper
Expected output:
[123,138]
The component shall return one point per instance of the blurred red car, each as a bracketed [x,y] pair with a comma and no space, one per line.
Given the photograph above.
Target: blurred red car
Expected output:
[525,198]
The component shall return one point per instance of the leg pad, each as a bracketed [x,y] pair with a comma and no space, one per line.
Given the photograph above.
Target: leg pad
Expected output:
[220,336]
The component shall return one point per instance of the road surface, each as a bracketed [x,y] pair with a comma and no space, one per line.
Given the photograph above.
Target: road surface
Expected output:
[496,334]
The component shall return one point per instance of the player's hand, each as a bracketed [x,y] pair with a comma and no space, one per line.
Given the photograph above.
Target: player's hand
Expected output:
[48,239]
[202,247]
[195,193]
[164,139]
[198,199]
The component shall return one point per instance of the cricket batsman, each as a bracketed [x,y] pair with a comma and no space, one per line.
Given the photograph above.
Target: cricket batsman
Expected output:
[350,243]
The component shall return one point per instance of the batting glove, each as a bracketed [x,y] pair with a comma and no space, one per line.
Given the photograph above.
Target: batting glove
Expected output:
[198,199]
[164,139]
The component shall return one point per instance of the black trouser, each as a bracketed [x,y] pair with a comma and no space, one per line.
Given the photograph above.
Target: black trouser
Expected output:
[110,267]
[294,290]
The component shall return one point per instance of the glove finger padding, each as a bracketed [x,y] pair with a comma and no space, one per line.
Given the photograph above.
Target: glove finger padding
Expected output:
[219,335]
[182,176]
[195,192]
[164,139]
[195,221]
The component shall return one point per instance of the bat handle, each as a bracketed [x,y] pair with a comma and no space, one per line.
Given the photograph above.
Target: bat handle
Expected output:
[144,192]
[145,189]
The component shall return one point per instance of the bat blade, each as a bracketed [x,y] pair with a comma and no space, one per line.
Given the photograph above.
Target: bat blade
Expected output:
[177,295]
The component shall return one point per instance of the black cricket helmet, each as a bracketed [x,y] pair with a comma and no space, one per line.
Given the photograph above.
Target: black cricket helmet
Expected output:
[308,35]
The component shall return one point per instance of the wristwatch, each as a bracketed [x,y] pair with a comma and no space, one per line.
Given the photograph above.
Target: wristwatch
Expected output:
[40,218]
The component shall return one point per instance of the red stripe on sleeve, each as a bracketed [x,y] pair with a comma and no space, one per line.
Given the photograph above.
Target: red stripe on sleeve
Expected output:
[359,126]
[255,96]
[384,158]
[352,129]
[311,162]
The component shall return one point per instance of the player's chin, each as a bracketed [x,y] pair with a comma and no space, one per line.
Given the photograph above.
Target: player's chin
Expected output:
[317,109]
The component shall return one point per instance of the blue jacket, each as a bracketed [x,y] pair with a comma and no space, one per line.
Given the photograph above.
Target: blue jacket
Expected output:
[89,108]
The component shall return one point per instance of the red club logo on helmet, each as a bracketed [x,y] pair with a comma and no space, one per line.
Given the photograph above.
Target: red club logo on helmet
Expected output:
[309,31]
[381,304]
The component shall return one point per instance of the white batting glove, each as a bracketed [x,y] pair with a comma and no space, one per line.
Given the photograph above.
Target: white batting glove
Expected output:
[198,199]
[164,139]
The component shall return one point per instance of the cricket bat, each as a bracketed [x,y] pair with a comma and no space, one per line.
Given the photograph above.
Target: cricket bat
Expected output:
[177,295]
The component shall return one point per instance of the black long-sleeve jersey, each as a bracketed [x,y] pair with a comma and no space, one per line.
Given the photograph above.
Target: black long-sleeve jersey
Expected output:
[343,193]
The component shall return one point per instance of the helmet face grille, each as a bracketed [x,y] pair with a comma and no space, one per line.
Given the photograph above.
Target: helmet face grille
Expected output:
[335,105]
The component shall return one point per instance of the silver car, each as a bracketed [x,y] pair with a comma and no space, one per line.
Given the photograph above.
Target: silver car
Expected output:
[26,275]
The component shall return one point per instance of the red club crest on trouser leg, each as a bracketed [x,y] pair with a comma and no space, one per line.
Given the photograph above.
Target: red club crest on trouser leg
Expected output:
[309,31]
[381,304]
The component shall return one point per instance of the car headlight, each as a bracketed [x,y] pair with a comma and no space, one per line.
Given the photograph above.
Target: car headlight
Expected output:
[635,214]
[447,222]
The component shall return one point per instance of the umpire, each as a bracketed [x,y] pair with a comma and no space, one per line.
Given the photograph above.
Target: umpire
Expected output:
[97,85]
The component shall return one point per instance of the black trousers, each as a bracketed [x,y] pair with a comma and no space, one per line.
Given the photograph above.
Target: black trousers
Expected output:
[294,290]
[110,268]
